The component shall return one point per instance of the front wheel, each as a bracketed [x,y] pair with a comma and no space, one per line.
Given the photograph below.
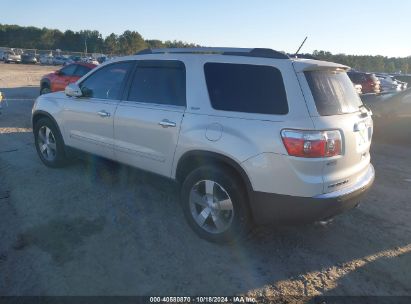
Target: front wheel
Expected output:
[49,143]
[45,90]
[215,204]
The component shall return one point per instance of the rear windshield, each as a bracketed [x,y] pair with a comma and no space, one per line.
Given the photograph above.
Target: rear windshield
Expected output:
[333,92]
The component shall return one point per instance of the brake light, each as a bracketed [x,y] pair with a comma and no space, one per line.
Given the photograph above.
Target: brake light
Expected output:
[301,143]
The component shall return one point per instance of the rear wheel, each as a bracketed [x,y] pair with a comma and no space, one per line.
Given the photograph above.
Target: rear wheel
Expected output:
[215,204]
[49,143]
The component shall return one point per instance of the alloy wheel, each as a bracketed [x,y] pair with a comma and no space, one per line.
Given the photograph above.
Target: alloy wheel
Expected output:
[211,206]
[47,143]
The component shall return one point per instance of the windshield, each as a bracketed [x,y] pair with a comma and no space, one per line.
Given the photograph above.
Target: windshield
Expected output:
[333,92]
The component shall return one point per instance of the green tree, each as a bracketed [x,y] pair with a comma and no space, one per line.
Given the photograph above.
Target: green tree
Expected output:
[178,44]
[111,44]
[155,44]
[131,42]
[93,40]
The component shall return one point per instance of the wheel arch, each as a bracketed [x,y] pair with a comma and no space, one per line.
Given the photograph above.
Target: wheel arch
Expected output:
[39,114]
[45,81]
[192,159]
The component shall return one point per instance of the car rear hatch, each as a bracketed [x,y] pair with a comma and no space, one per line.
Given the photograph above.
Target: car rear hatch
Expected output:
[334,105]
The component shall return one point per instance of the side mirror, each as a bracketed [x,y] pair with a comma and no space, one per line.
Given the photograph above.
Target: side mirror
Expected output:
[73,90]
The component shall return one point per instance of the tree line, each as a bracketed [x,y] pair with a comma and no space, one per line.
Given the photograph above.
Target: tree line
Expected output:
[368,63]
[127,43]
[130,42]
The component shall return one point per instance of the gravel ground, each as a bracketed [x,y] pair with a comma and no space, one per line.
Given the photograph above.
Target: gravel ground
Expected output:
[99,228]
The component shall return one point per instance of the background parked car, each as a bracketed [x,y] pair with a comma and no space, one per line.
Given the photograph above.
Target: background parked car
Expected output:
[58,80]
[75,58]
[28,58]
[102,59]
[72,59]
[388,83]
[11,56]
[46,59]
[2,54]
[90,60]
[369,82]
[402,84]
[60,60]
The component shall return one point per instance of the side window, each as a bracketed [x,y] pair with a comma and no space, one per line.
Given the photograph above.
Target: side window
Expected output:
[246,88]
[106,82]
[81,70]
[68,70]
[160,82]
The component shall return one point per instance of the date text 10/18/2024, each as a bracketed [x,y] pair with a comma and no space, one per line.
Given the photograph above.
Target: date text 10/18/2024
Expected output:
[235,299]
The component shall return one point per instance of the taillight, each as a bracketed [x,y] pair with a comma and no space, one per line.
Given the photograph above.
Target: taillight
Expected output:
[303,143]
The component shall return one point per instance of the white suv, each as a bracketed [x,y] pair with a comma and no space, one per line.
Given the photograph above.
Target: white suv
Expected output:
[252,135]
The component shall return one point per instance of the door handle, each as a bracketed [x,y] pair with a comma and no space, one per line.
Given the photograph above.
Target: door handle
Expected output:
[165,123]
[103,113]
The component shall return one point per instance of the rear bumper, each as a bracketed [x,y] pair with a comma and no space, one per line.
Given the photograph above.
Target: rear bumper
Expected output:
[275,208]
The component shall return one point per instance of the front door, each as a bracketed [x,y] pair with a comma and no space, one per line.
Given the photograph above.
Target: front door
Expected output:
[63,78]
[88,120]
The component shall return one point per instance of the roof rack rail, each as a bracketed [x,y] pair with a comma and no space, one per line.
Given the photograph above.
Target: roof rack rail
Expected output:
[302,56]
[250,52]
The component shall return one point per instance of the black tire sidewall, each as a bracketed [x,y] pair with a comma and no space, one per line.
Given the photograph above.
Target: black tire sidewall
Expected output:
[60,159]
[45,85]
[229,181]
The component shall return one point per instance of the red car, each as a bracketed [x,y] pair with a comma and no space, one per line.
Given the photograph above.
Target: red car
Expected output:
[58,80]
[368,81]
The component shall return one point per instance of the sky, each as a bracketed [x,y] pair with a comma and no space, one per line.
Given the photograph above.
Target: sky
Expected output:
[366,27]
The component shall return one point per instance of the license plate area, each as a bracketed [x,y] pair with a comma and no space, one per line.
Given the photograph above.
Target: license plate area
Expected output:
[363,130]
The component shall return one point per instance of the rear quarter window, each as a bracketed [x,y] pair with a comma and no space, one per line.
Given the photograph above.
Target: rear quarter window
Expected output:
[246,88]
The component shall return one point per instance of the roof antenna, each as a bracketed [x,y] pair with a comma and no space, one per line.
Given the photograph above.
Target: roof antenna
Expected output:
[296,53]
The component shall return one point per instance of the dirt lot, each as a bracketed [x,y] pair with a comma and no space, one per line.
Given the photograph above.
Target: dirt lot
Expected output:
[98,228]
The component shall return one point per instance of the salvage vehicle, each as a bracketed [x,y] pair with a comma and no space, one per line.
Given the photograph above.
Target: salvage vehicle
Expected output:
[251,135]
[46,59]
[60,60]
[11,56]
[28,58]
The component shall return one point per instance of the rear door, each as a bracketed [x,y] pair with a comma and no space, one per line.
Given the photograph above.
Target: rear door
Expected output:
[147,122]
[334,105]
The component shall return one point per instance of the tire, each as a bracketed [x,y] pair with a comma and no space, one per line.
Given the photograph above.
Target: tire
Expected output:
[49,143]
[45,89]
[211,206]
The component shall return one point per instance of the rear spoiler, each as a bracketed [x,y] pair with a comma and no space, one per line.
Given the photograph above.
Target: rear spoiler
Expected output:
[317,65]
